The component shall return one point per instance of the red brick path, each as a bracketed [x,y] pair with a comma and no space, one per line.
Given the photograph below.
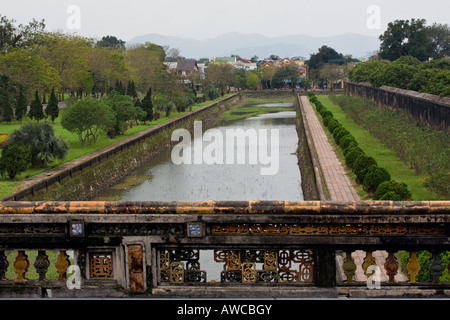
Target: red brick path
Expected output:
[336,179]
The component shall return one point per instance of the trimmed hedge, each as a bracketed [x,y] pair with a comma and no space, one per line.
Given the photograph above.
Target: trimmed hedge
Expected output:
[375,180]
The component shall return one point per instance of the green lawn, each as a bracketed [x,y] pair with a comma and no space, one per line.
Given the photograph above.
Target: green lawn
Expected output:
[7,186]
[249,108]
[385,157]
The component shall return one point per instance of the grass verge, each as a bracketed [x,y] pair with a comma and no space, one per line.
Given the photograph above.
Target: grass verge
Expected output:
[253,108]
[384,156]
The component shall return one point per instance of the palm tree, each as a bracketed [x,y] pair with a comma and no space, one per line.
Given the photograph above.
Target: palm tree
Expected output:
[45,146]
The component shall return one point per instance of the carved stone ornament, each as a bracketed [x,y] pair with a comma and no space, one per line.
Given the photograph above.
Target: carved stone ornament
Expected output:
[41,264]
[413,267]
[21,265]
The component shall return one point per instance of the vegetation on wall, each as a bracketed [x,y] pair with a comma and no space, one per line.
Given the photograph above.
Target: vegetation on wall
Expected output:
[368,173]
[424,149]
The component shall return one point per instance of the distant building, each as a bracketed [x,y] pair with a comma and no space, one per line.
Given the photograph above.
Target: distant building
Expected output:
[187,67]
[236,62]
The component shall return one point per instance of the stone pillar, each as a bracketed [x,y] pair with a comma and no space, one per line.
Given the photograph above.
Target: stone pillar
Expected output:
[325,267]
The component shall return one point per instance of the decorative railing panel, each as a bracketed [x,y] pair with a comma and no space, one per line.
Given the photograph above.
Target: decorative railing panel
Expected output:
[144,246]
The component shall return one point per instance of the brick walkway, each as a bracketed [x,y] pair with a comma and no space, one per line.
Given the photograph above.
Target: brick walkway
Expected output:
[340,188]
[336,179]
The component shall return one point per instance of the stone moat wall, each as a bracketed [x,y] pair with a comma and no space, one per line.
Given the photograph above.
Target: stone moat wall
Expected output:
[426,109]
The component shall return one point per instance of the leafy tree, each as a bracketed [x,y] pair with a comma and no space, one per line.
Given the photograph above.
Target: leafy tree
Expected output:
[252,79]
[285,74]
[144,66]
[131,90]
[6,98]
[221,75]
[147,105]
[325,54]
[365,72]
[111,42]
[123,109]
[27,69]
[16,158]
[36,109]
[414,38]
[69,55]
[52,109]
[86,118]
[440,36]
[267,73]
[240,76]
[13,37]
[105,66]
[21,105]
[157,50]
[119,87]
[45,146]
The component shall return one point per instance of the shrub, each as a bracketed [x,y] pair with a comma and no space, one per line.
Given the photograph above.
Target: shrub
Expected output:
[362,166]
[346,141]
[399,188]
[439,183]
[327,119]
[326,113]
[390,196]
[213,93]
[333,125]
[339,133]
[349,148]
[45,146]
[16,158]
[352,155]
[374,177]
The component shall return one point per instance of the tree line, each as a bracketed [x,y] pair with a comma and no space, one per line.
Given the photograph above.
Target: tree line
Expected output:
[412,56]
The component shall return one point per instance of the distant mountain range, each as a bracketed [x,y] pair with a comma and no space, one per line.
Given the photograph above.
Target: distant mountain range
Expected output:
[249,45]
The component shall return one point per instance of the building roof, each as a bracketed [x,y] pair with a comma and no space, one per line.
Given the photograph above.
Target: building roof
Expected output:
[187,65]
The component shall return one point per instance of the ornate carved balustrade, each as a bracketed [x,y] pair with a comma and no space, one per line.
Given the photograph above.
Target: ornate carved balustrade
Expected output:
[155,248]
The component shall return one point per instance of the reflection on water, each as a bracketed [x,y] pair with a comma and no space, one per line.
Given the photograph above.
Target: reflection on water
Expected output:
[162,180]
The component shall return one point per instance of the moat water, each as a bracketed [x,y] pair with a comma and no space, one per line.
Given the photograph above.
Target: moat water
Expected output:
[162,180]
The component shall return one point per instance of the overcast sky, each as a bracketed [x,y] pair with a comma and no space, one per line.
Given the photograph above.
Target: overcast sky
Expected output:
[200,19]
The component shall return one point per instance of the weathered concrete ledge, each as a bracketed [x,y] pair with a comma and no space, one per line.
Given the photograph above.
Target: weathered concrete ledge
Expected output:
[313,184]
[392,208]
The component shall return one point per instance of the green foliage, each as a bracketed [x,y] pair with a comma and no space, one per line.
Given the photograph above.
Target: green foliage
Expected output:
[362,165]
[86,118]
[346,141]
[147,106]
[408,37]
[374,177]
[424,149]
[36,109]
[111,42]
[333,124]
[352,154]
[338,133]
[52,109]
[392,190]
[45,146]
[406,73]
[6,98]
[123,109]
[365,167]
[16,158]
[21,105]
[213,93]
[323,56]
[439,182]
